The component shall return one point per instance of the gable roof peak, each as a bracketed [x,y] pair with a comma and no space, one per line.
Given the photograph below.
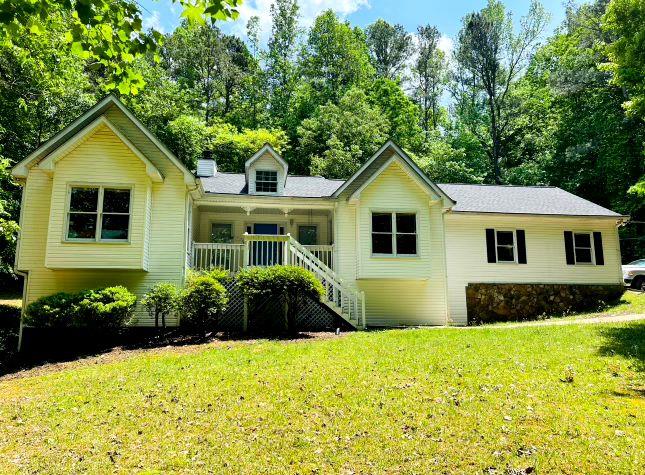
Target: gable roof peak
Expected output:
[373,166]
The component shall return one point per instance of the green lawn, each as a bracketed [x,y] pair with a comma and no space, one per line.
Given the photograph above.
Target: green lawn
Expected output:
[557,399]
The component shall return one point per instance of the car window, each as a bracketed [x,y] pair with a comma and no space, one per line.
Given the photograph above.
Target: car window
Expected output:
[639,262]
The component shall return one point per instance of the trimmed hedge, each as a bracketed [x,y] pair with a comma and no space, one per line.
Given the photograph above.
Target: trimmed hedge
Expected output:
[286,283]
[203,301]
[110,307]
[258,281]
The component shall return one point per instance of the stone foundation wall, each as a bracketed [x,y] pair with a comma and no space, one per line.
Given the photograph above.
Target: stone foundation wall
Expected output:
[516,302]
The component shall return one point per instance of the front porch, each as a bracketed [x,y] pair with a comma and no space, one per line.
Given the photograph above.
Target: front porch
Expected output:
[232,237]
[264,236]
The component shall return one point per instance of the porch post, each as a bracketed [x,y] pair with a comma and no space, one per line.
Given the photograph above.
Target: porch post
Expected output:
[245,257]
[285,250]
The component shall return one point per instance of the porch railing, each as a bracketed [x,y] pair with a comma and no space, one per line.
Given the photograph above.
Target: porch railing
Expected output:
[267,250]
[217,255]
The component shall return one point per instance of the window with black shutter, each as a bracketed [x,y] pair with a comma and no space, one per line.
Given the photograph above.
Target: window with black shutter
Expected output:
[583,248]
[506,246]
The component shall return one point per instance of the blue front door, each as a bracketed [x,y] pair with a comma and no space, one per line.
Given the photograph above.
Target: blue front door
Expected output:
[266,253]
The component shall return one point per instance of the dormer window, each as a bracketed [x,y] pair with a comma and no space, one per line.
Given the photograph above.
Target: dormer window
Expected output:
[266,181]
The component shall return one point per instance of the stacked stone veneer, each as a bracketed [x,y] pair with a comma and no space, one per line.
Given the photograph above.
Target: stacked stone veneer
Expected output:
[514,302]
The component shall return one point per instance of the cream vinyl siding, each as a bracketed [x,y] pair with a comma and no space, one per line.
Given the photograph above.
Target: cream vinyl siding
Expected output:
[266,162]
[545,253]
[399,290]
[162,205]
[101,160]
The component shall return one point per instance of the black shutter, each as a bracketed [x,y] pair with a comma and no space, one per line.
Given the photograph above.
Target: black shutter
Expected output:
[568,247]
[597,245]
[521,246]
[490,245]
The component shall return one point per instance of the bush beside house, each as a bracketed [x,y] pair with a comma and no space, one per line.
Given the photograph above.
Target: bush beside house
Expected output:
[107,308]
[286,283]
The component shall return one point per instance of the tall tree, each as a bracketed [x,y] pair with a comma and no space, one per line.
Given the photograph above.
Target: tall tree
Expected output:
[402,114]
[340,137]
[390,47]
[280,60]
[429,77]
[334,58]
[104,32]
[491,57]
[208,63]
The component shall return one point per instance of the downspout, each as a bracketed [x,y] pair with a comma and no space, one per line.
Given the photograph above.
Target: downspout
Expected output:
[445,264]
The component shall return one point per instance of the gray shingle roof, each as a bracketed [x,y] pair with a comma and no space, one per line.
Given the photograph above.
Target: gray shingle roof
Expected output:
[296,186]
[544,200]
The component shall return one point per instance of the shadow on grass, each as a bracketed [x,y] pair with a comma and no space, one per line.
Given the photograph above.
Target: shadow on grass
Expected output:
[46,346]
[627,341]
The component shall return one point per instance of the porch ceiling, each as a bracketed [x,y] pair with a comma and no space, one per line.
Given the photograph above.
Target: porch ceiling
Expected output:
[263,211]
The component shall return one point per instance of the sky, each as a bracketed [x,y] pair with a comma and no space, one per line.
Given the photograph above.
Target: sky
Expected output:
[444,14]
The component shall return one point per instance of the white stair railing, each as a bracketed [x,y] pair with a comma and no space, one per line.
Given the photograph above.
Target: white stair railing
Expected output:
[262,250]
[268,250]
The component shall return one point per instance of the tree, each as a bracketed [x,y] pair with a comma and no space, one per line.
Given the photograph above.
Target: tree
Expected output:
[334,58]
[106,33]
[429,76]
[8,225]
[280,61]
[625,21]
[492,57]
[390,47]
[341,137]
[402,114]
[208,63]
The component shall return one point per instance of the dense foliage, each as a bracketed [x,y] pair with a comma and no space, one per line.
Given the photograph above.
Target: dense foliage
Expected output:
[509,105]
[107,308]
[279,283]
[161,301]
[202,301]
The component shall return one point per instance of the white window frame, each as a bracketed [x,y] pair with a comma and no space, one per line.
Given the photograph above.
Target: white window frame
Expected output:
[394,233]
[514,232]
[591,248]
[99,213]
[277,180]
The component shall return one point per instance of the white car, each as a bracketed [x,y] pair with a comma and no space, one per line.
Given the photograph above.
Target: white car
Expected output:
[634,274]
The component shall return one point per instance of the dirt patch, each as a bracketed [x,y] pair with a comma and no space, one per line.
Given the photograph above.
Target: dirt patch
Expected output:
[117,354]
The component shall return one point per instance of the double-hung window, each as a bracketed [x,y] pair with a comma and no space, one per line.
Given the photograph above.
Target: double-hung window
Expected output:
[394,234]
[583,248]
[505,246]
[97,213]
[266,181]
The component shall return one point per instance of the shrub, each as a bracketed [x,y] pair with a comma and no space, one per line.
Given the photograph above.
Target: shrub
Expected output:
[53,311]
[287,281]
[219,275]
[9,316]
[160,301]
[202,301]
[111,307]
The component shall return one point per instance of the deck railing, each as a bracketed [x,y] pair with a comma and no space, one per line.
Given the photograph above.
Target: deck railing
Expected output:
[267,250]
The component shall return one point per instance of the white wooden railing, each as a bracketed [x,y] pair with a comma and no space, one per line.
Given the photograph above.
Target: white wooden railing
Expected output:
[206,256]
[324,252]
[267,250]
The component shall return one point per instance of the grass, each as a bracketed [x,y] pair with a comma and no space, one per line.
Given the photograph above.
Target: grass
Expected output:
[567,399]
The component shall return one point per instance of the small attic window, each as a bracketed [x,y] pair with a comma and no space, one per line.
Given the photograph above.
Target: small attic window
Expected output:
[266,181]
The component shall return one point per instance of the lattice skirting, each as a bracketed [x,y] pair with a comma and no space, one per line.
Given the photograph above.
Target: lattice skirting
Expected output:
[266,315]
